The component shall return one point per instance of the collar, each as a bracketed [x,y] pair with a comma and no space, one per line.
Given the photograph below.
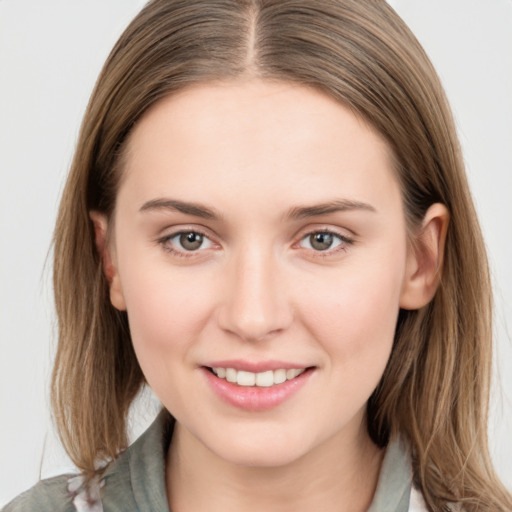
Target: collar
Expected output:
[144,465]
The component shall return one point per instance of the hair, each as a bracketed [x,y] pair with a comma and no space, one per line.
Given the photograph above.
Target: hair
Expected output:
[435,389]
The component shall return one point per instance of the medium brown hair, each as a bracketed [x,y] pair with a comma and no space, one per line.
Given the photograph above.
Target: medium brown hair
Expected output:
[434,392]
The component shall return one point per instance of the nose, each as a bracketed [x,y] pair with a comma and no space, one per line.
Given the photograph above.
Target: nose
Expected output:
[255,303]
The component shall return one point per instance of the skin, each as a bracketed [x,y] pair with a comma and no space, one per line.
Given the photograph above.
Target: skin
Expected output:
[257,289]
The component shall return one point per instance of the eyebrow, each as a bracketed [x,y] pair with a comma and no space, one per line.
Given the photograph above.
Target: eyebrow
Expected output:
[336,205]
[195,209]
[295,213]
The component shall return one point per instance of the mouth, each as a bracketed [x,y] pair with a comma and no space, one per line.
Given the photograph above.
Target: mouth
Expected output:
[259,390]
[263,379]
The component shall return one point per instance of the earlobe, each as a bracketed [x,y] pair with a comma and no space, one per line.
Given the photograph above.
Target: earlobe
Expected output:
[425,259]
[100,223]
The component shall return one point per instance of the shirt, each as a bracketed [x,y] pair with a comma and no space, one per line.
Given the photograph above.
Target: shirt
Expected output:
[135,481]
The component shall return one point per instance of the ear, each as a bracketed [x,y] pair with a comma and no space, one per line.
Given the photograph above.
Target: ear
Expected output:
[425,259]
[107,255]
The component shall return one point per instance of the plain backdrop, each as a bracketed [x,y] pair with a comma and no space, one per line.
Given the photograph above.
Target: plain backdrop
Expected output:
[50,54]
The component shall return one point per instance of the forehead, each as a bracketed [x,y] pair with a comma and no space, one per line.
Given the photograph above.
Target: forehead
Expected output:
[255,137]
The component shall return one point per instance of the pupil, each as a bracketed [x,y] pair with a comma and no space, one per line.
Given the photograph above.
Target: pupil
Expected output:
[321,241]
[191,241]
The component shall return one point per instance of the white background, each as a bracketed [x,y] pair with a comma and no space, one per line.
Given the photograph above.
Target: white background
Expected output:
[50,54]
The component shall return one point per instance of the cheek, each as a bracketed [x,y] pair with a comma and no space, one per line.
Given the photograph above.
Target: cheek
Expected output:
[166,312]
[354,316]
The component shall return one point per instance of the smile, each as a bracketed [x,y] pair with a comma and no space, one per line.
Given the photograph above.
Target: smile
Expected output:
[261,379]
[256,390]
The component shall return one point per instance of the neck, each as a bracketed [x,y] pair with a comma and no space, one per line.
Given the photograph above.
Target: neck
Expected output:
[339,475]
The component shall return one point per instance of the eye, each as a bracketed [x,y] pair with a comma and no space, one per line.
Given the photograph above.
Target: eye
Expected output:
[186,241]
[324,241]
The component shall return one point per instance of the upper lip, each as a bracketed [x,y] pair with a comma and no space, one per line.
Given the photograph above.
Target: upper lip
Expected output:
[255,366]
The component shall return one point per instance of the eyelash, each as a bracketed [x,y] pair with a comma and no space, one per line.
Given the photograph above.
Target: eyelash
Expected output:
[344,240]
[164,242]
[342,246]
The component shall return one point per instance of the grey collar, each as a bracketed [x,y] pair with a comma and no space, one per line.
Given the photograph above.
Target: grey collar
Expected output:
[144,461]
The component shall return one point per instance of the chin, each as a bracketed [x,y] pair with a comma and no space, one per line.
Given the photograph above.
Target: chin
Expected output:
[265,449]
[262,457]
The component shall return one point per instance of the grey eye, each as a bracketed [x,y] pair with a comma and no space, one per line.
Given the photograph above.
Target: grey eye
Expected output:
[322,241]
[191,241]
[184,243]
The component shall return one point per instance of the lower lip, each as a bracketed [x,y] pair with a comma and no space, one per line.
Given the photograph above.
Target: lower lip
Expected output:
[254,398]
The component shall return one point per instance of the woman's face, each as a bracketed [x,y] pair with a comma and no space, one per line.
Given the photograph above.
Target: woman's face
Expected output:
[259,230]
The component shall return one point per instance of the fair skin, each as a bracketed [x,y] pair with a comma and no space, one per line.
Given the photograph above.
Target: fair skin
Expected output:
[253,278]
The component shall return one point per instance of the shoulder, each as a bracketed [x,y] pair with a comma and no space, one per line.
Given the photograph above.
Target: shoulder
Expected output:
[133,481]
[69,493]
[50,495]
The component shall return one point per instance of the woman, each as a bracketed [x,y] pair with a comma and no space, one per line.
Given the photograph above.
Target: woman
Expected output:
[267,220]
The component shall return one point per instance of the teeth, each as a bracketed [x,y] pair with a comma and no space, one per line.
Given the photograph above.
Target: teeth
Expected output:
[279,376]
[246,378]
[290,374]
[261,379]
[230,374]
[265,379]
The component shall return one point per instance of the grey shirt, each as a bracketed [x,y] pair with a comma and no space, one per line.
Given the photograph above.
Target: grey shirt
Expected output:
[135,481]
